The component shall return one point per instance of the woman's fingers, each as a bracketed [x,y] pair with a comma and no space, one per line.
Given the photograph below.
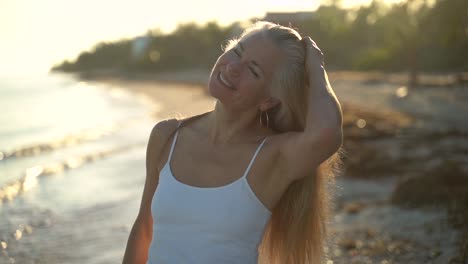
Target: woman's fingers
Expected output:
[309,43]
[314,56]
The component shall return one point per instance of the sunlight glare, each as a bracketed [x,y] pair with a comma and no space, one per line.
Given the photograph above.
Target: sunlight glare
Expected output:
[401,92]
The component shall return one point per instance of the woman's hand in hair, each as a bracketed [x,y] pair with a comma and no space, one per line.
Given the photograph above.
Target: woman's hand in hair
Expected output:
[314,59]
[324,114]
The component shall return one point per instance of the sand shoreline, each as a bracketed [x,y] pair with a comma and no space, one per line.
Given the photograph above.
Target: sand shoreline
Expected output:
[171,99]
[199,77]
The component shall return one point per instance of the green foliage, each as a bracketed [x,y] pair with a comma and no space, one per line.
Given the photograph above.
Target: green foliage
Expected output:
[414,35]
[374,59]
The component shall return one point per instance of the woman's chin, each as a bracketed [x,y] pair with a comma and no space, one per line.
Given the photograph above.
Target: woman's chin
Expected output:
[213,90]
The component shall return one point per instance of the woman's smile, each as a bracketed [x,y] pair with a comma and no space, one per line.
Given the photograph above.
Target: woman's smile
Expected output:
[223,80]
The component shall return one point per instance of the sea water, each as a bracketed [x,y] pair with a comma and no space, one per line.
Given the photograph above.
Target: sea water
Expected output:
[71,168]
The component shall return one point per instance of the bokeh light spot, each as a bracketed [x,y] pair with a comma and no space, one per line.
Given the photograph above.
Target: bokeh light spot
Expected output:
[361,123]
[402,91]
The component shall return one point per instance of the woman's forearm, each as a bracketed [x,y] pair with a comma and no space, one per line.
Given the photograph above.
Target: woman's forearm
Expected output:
[136,251]
[324,114]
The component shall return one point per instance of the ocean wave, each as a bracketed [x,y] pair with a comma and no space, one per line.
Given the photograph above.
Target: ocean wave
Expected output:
[30,177]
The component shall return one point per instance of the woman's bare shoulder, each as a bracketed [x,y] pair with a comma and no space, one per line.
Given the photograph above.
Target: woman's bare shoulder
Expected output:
[160,133]
[163,129]
[165,126]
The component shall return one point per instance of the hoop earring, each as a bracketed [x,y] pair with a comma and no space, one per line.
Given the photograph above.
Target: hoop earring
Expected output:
[267,118]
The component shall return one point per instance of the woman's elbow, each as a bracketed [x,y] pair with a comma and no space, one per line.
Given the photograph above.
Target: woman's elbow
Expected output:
[330,140]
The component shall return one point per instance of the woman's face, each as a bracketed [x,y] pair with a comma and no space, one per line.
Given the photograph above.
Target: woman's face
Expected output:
[241,75]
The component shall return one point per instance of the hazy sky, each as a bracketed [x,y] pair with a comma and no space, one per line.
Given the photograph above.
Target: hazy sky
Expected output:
[35,34]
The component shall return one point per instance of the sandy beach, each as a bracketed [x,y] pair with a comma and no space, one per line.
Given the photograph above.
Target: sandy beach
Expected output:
[370,224]
[170,99]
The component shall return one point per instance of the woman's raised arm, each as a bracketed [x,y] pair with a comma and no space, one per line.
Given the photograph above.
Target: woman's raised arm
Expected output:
[304,151]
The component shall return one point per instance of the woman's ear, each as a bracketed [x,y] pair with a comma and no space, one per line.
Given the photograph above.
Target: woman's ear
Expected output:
[269,103]
[275,102]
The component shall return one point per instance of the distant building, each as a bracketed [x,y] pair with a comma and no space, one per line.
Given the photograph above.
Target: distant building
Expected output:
[139,47]
[287,18]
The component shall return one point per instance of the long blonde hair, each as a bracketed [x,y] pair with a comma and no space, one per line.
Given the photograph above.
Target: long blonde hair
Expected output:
[296,232]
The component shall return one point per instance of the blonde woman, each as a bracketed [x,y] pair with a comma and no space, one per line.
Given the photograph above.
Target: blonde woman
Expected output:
[245,182]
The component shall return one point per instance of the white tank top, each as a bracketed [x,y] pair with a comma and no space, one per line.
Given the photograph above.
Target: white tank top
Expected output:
[206,225]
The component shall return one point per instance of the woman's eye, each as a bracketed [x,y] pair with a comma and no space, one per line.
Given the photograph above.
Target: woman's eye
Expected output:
[254,73]
[237,52]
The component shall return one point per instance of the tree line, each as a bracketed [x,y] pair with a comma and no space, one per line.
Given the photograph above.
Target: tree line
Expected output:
[413,36]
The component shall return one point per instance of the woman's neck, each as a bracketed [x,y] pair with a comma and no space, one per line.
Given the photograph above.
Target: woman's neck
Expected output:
[229,127]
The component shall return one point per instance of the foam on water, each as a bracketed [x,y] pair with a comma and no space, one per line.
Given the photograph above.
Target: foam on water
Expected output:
[71,168]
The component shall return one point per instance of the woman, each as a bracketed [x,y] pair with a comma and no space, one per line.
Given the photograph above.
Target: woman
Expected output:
[277,123]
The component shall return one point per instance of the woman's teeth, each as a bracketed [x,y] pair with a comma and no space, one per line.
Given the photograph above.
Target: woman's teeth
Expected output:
[221,78]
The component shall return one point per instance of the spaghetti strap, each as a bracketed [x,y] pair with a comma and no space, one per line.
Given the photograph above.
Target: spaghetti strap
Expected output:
[253,158]
[173,142]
